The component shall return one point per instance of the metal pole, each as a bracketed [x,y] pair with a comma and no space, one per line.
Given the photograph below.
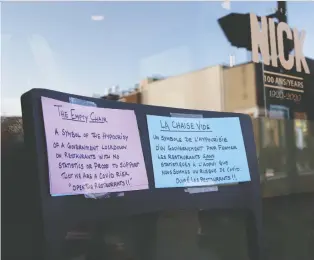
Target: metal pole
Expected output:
[282,11]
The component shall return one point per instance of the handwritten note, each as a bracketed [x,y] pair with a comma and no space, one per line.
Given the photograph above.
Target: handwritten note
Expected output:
[103,195]
[190,152]
[92,150]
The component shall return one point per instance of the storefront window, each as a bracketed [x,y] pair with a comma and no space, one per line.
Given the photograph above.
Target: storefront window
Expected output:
[272,154]
[192,55]
[304,146]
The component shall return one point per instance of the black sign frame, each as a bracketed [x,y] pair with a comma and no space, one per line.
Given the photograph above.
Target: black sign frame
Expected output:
[51,217]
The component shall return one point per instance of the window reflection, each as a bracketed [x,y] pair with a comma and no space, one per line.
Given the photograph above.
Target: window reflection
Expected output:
[272,156]
[304,144]
[295,175]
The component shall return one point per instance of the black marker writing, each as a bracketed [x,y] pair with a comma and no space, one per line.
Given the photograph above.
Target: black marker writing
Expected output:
[203,158]
[80,161]
[73,115]
[184,127]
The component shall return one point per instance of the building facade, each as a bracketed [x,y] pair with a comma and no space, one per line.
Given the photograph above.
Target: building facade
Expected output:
[201,90]
[269,97]
[246,88]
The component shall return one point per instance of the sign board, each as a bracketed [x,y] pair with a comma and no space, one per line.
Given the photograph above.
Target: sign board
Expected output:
[285,90]
[92,150]
[190,152]
[263,38]
[44,111]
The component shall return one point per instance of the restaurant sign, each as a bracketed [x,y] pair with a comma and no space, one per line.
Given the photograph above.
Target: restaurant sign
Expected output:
[264,41]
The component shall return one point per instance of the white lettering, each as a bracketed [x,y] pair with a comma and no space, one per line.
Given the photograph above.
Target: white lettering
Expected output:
[273,45]
[259,37]
[298,47]
[260,44]
[283,27]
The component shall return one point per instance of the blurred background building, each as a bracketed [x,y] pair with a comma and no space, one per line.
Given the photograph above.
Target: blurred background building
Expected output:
[242,89]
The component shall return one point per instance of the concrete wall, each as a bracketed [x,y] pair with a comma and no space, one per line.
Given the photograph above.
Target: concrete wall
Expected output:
[240,88]
[200,90]
[132,98]
[214,88]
